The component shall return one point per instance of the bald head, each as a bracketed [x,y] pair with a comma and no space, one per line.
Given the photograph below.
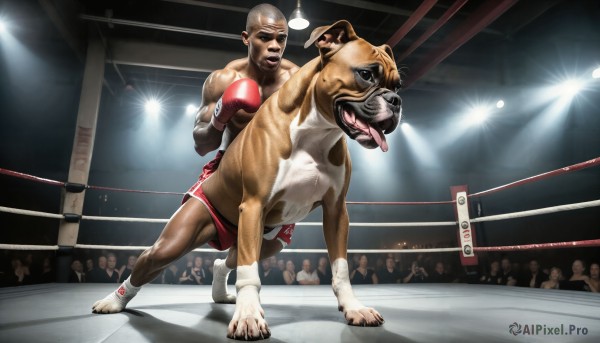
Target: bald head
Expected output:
[263,10]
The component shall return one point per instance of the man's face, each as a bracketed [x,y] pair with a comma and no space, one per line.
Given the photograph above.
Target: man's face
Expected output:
[266,264]
[534,266]
[77,266]
[439,267]
[306,266]
[595,271]
[578,267]
[112,262]
[505,264]
[389,263]
[266,43]
[102,262]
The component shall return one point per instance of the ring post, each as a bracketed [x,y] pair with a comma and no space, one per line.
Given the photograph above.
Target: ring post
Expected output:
[81,156]
[466,230]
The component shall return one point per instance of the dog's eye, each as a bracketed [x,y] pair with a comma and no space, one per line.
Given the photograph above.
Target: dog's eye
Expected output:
[398,87]
[365,75]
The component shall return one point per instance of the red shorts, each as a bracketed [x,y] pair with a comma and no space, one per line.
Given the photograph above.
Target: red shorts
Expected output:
[226,231]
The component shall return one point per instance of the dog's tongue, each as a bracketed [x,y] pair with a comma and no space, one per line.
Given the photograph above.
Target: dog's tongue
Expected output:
[367,129]
[379,137]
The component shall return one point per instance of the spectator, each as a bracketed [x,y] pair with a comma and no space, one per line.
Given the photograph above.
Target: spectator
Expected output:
[507,276]
[493,277]
[77,275]
[126,269]
[269,275]
[307,276]
[97,274]
[170,275]
[89,265]
[534,277]
[20,273]
[578,281]
[363,275]
[416,274]
[554,279]
[324,271]
[389,273]
[111,274]
[208,270]
[593,282]
[440,275]
[194,275]
[281,264]
[48,274]
[289,274]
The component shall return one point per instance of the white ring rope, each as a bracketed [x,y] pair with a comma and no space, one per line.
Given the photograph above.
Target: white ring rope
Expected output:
[30,213]
[27,247]
[211,250]
[158,220]
[546,210]
[126,219]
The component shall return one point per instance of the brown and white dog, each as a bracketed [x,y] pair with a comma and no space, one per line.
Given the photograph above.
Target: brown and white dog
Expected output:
[292,157]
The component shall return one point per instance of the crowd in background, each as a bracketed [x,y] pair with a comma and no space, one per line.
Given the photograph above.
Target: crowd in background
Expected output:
[22,268]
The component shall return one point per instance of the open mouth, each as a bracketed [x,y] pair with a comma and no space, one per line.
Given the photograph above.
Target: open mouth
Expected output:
[368,134]
[273,59]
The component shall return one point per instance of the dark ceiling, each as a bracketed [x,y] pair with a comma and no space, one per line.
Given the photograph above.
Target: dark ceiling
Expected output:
[437,43]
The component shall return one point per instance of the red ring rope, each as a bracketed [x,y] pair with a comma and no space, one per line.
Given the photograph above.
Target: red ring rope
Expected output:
[591,163]
[31,177]
[542,246]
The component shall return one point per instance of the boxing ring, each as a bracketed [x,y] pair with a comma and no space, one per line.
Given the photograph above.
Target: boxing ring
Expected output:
[449,312]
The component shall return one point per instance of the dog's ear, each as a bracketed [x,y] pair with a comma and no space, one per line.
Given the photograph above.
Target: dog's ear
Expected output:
[388,50]
[329,39]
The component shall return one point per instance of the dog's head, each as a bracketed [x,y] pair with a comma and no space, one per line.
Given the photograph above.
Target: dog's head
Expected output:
[358,84]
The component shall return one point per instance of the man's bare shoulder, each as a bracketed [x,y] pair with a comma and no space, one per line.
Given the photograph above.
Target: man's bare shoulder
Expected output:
[289,66]
[237,65]
[217,82]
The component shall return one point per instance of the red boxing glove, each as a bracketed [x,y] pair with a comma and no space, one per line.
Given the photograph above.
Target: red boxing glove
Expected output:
[243,94]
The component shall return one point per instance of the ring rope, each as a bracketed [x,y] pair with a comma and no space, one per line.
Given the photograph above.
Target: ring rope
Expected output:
[546,210]
[590,163]
[30,213]
[31,177]
[523,247]
[27,247]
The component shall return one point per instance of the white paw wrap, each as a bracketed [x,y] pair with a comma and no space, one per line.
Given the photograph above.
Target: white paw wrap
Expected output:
[341,285]
[219,285]
[117,300]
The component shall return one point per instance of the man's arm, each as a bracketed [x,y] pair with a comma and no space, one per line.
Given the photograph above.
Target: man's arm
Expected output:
[206,137]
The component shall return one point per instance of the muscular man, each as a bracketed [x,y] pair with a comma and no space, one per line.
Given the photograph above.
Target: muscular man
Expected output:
[230,97]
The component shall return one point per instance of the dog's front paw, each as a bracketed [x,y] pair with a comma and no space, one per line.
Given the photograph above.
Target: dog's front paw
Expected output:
[248,322]
[363,316]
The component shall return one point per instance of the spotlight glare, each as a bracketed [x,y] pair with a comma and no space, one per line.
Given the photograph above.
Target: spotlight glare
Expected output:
[571,87]
[500,104]
[478,115]
[596,73]
[152,107]
[191,109]
[2,27]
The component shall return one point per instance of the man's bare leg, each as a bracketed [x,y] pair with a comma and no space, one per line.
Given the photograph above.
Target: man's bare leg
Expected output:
[190,227]
[222,268]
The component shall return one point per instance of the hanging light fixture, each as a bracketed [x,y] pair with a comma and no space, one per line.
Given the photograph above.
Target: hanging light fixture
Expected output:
[298,19]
